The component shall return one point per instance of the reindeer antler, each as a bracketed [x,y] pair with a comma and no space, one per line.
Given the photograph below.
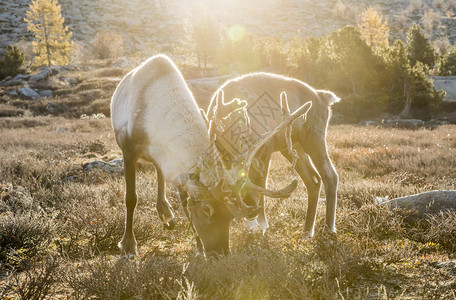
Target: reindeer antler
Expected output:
[287,120]
[239,185]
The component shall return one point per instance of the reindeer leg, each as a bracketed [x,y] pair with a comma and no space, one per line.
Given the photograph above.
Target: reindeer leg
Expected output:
[183,195]
[163,207]
[259,175]
[318,153]
[312,181]
[128,243]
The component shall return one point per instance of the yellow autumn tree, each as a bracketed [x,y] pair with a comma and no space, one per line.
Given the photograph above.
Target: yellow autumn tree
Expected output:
[52,45]
[373,29]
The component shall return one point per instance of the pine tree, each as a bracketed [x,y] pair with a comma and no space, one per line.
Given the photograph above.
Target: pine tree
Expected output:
[52,45]
[419,47]
[373,30]
[447,63]
[12,61]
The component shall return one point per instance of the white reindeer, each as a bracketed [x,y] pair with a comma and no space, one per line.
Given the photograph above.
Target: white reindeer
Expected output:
[261,93]
[156,119]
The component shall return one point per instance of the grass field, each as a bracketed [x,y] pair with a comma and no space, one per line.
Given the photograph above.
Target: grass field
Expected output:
[60,224]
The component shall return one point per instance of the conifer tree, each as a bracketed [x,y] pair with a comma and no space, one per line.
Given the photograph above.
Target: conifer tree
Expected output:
[419,47]
[12,61]
[447,63]
[373,30]
[52,45]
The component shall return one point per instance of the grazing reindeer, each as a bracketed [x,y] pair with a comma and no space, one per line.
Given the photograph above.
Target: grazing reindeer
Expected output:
[156,119]
[312,161]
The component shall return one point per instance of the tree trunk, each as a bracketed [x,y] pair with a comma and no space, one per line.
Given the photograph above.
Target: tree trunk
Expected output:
[48,50]
[408,102]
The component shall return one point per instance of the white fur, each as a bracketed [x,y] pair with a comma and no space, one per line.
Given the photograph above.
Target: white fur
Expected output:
[155,99]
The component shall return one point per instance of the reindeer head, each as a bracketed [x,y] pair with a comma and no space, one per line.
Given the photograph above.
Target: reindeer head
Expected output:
[216,192]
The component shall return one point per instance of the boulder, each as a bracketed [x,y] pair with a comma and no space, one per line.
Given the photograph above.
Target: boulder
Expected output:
[6,79]
[19,79]
[367,123]
[54,108]
[46,93]
[424,204]
[28,93]
[404,123]
[449,265]
[44,74]
[12,93]
[121,63]
[69,80]
[116,162]
[105,166]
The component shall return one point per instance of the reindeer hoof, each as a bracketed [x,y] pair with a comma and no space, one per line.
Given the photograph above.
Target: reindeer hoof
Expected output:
[170,225]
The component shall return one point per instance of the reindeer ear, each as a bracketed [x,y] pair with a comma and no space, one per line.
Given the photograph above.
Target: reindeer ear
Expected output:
[329,97]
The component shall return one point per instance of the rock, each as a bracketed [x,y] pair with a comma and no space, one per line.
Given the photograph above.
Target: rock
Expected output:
[105,166]
[437,122]
[367,123]
[69,179]
[54,108]
[21,77]
[45,73]
[69,80]
[28,93]
[61,130]
[424,204]
[121,63]
[449,265]
[116,162]
[6,79]
[13,93]
[46,93]
[404,123]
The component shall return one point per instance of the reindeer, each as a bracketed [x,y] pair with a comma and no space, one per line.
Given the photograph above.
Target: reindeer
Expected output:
[311,157]
[156,119]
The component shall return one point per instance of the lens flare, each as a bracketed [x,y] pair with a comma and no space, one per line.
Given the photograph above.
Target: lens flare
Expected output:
[236,33]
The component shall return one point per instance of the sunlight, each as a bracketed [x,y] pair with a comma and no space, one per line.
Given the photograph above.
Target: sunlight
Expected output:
[236,33]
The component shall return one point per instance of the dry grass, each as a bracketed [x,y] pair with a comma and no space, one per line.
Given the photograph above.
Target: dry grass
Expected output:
[77,219]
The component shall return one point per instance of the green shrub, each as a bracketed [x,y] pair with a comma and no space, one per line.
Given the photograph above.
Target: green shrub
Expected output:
[12,62]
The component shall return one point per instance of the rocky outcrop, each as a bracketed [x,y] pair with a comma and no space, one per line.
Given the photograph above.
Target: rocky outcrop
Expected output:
[424,204]
[27,93]
[39,85]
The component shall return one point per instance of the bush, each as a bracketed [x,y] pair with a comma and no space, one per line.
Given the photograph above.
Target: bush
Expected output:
[36,283]
[106,45]
[443,230]
[153,277]
[12,61]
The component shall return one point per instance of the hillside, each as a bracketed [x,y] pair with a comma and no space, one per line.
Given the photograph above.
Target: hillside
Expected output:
[159,25]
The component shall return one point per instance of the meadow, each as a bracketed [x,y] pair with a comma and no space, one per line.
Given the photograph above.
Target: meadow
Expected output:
[60,223]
